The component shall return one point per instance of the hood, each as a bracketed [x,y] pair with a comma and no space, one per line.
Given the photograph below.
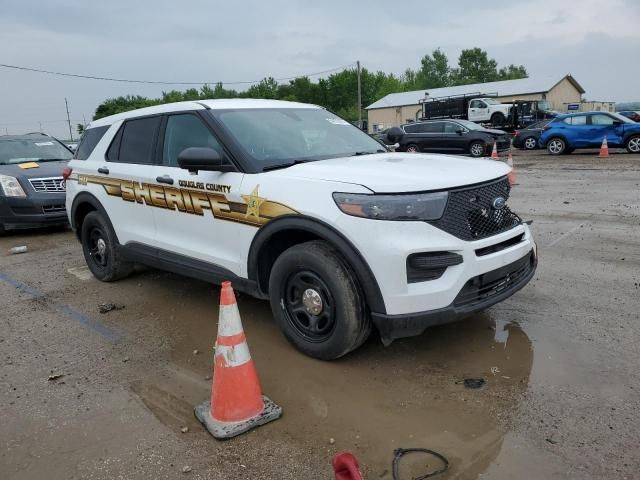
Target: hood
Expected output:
[492,131]
[401,172]
[44,169]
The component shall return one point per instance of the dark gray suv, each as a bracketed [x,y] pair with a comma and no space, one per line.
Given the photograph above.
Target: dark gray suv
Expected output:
[32,190]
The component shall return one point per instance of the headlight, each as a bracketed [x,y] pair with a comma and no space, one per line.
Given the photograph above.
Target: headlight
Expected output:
[11,187]
[417,206]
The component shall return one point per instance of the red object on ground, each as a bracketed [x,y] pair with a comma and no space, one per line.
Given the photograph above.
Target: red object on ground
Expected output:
[512,173]
[346,467]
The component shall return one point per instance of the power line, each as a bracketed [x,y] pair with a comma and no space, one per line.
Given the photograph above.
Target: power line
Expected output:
[158,82]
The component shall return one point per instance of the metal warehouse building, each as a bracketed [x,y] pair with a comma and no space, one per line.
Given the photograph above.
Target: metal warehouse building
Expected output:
[398,108]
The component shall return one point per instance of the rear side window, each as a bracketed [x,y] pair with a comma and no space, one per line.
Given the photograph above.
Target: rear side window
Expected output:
[89,140]
[579,120]
[135,141]
[602,120]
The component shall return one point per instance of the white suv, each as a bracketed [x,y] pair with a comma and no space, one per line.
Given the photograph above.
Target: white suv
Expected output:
[294,204]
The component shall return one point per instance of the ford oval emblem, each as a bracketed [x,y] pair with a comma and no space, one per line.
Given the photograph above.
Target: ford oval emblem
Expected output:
[498,203]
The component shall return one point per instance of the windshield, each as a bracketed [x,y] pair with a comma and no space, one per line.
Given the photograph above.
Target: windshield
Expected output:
[29,149]
[491,101]
[274,136]
[470,125]
[622,118]
[543,105]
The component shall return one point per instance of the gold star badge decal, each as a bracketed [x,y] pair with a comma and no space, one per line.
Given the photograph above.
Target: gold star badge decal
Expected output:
[253,203]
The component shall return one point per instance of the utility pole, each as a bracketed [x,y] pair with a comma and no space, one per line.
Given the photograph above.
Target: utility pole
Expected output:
[68,119]
[359,98]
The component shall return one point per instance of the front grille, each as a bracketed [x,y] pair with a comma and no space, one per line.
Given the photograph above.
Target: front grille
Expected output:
[470,215]
[480,252]
[48,185]
[489,284]
[53,208]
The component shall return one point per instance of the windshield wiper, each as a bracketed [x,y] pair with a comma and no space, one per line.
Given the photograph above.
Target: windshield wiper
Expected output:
[283,165]
[357,154]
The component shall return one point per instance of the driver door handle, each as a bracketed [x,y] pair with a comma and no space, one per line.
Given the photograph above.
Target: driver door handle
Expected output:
[165,179]
[103,170]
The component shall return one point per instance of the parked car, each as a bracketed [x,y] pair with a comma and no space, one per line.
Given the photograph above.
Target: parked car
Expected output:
[296,205]
[529,138]
[587,130]
[635,116]
[32,190]
[448,136]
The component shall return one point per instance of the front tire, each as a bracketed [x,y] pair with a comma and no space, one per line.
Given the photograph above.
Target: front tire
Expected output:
[633,144]
[316,301]
[100,250]
[556,146]
[497,119]
[412,148]
[477,149]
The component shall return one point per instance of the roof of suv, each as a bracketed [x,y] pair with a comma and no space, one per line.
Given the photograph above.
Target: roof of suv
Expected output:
[218,104]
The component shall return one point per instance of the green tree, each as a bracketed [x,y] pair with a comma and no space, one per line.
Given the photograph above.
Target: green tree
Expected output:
[80,128]
[475,66]
[434,71]
[512,72]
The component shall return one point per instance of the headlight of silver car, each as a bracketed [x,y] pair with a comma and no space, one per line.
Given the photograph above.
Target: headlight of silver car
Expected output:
[11,187]
[416,206]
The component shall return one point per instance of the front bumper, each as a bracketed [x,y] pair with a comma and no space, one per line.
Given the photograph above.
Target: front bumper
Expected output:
[479,293]
[35,211]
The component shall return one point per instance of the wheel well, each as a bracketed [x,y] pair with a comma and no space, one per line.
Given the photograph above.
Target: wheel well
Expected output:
[273,248]
[81,211]
[289,230]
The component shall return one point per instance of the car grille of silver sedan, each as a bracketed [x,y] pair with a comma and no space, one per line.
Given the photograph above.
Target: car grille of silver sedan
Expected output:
[48,185]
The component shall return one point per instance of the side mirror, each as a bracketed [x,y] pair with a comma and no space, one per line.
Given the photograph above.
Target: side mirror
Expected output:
[395,134]
[203,158]
[460,131]
[617,123]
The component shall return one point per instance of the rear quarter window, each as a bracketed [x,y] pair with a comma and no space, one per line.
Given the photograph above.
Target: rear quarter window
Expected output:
[89,140]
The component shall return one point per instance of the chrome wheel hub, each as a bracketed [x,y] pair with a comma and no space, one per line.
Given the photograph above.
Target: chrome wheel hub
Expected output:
[312,301]
[101,246]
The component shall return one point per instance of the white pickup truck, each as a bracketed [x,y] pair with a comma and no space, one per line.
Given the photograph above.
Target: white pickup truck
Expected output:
[488,110]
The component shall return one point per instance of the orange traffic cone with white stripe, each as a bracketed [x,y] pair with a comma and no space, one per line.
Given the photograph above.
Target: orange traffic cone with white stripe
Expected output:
[604,149]
[511,176]
[494,152]
[237,404]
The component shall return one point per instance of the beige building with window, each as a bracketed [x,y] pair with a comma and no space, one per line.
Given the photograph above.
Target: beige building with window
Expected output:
[398,108]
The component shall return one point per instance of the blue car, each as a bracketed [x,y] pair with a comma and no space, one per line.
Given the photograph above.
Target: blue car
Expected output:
[567,132]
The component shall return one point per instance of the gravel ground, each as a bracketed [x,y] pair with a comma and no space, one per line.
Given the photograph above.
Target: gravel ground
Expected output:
[97,395]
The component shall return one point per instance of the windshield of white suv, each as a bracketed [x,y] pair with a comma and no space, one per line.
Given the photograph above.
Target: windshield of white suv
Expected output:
[491,101]
[31,149]
[279,137]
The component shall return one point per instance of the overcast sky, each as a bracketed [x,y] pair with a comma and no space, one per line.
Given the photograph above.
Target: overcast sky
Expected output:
[203,40]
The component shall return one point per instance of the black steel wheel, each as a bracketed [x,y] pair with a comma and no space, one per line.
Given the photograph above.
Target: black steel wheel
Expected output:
[310,306]
[99,245]
[316,301]
[412,148]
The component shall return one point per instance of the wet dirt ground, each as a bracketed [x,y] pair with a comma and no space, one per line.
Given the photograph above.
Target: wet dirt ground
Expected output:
[560,360]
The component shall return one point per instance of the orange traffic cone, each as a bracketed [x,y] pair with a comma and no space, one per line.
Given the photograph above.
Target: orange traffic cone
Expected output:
[494,152]
[604,149]
[237,404]
[511,176]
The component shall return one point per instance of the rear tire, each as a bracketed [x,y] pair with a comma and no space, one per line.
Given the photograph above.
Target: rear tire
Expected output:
[556,146]
[412,148]
[100,250]
[477,149]
[633,144]
[316,301]
[530,143]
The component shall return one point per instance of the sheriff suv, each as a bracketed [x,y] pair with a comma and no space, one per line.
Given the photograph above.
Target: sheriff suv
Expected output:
[296,205]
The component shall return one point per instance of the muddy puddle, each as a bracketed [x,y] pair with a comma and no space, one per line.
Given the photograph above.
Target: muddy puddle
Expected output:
[375,400]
